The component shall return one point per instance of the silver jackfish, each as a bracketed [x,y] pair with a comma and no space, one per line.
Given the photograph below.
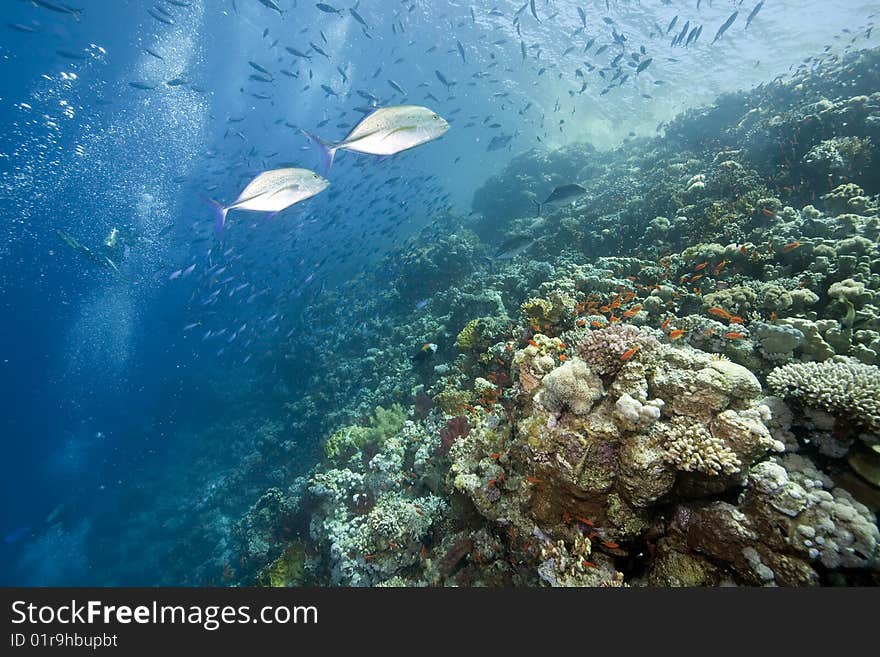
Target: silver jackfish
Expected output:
[272,191]
[386,131]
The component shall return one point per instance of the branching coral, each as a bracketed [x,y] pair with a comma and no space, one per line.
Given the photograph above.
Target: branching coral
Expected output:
[691,448]
[845,387]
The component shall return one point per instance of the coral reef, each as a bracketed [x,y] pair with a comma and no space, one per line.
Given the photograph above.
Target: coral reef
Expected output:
[597,412]
[846,388]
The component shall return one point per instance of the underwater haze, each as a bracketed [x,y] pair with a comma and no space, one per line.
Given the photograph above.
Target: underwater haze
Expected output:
[410,293]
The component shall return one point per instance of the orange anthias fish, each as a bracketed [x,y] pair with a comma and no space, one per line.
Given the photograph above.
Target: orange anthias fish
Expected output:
[701,266]
[629,353]
[719,312]
[632,311]
[676,334]
[790,247]
[736,319]
[734,335]
[665,323]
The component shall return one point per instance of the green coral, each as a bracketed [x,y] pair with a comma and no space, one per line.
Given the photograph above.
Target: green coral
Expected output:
[848,197]
[387,422]
[479,334]
[286,570]
[453,401]
[346,441]
[384,424]
[469,336]
[548,310]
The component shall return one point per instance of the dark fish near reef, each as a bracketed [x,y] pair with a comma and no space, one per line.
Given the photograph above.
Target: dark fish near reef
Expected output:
[562,193]
[425,352]
[512,247]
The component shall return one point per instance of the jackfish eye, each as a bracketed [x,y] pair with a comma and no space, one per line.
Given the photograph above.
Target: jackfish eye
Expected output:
[435,117]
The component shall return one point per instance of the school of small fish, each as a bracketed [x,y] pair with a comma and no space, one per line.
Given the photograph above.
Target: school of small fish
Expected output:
[416,95]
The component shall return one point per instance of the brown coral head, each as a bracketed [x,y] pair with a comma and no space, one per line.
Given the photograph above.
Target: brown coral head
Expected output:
[454,555]
[528,380]
[423,404]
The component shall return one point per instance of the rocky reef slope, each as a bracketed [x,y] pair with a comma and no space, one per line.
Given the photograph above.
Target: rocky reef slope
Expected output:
[670,379]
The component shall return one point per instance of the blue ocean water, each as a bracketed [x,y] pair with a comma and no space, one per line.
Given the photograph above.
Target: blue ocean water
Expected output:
[143,354]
